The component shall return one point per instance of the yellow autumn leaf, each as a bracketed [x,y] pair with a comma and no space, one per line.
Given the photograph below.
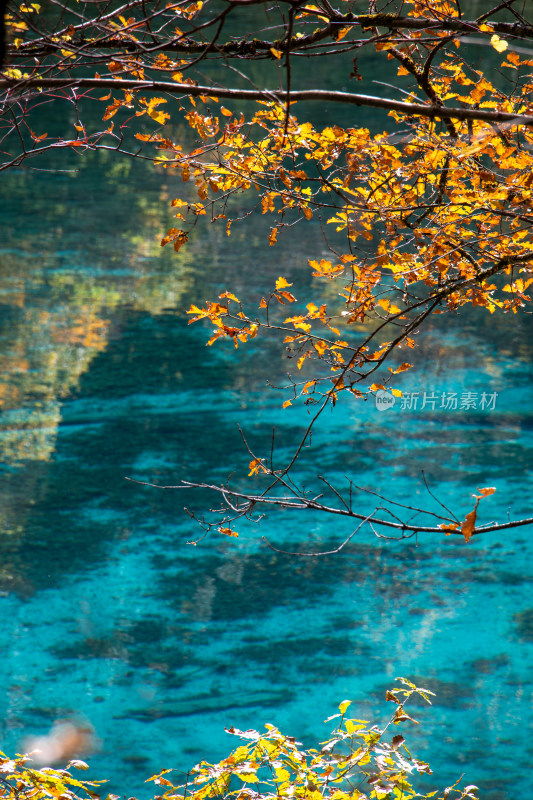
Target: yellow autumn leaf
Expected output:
[13,73]
[282,283]
[500,45]
[390,308]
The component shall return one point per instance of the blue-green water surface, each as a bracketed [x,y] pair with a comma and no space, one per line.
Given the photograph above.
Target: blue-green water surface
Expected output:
[106,613]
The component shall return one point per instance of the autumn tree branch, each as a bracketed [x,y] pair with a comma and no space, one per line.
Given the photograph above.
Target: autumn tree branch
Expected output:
[425,214]
[302,502]
[306,95]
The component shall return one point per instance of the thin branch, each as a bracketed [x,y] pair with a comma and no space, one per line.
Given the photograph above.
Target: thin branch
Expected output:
[325,552]
[304,95]
[441,504]
[403,505]
[313,505]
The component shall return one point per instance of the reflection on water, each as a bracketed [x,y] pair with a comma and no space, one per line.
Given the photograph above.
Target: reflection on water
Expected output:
[108,614]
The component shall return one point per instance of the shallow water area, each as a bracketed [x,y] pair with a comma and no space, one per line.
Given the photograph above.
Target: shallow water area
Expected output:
[109,615]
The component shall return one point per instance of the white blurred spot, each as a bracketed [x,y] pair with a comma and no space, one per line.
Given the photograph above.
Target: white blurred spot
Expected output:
[64,741]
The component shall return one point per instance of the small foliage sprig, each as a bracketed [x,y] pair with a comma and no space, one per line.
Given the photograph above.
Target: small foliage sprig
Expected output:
[18,781]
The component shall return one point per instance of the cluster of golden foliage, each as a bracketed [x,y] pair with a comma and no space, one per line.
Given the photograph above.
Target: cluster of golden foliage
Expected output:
[431,211]
[359,761]
[429,215]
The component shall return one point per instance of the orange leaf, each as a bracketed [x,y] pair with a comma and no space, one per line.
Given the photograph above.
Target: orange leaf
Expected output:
[256,466]
[290,298]
[486,492]
[179,238]
[469,525]
[287,403]
[227,532]
[449,528]
[401,368]
[341,33]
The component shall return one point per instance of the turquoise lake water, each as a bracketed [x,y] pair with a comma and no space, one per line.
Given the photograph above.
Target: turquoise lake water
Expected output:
[106,614]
